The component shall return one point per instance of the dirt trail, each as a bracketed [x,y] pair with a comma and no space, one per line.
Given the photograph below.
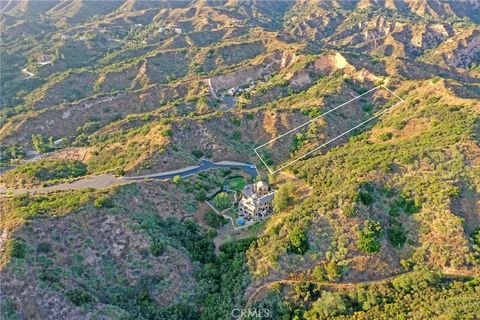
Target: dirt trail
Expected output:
[450,273]
[97,182]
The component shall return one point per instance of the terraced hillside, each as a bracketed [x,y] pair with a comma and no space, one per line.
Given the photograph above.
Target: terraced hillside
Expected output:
[373,225]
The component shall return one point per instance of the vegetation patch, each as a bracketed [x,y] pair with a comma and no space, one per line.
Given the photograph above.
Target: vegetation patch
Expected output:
[16,248]
[222,201]
[29,207]
[43,171]
[368,237]
[235,183]
[11,153]
[417,294]
[214,220]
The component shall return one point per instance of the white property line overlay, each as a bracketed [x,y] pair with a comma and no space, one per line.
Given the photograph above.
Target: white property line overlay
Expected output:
[333,139]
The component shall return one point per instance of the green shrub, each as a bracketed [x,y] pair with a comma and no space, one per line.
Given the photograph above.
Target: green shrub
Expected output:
[103,201]
[368,107]
[297,241]
[78,297]
[41,145]
[236,121]
[329,305]
[267,157]
[50,274]
[197,153]
[368,242]
[148,117]
[394,211]
[283,197]
[314,112]
[177,179]
[333,270]
[157,248]
[408,206]
[298,141]
[475,235]
[318,274]
[166,132]
[17,248]
[222,201]
[364,198]
[225,171]
[89,127]
[214,220]
[414,281]
[385,136]
[12,152]
[396,235]
[8,310]
[201,196]
[44,247]
[237,135]
[399,125]
[349,209]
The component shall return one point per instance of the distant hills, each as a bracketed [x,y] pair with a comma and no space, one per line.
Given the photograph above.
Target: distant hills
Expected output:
[138,87]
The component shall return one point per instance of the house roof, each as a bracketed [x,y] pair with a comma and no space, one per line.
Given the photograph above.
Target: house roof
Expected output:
[266,198]
[248,192]
[261,184]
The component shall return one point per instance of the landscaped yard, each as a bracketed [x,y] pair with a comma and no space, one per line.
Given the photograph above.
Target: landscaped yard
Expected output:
[235,183]
[222,201]
[232,212]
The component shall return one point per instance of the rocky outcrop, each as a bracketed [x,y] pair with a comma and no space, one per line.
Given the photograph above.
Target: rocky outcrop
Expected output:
[328,63]
[323,65]
[272,63]
[301,79]
[466,52]
[429,37]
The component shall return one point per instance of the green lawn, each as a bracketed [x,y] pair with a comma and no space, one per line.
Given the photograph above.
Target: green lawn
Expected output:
[235,183]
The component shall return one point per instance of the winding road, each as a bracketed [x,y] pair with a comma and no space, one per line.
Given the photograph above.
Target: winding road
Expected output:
[204,165]
[108,180]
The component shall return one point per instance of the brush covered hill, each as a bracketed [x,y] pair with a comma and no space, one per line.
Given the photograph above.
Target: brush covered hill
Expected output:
[137,87]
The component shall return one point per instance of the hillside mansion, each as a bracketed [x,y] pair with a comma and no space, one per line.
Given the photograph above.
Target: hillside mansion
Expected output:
[256,202]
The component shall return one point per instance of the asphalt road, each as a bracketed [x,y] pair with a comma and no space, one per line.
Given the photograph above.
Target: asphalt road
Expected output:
[203,166]
[108,180]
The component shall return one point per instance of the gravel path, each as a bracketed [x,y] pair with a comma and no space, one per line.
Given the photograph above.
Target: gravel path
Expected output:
[96,182]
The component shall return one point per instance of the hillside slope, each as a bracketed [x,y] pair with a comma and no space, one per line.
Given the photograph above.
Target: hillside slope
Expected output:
[383,222]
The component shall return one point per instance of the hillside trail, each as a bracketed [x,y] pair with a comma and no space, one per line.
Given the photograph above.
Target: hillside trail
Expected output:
[450,273]
[96,182]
